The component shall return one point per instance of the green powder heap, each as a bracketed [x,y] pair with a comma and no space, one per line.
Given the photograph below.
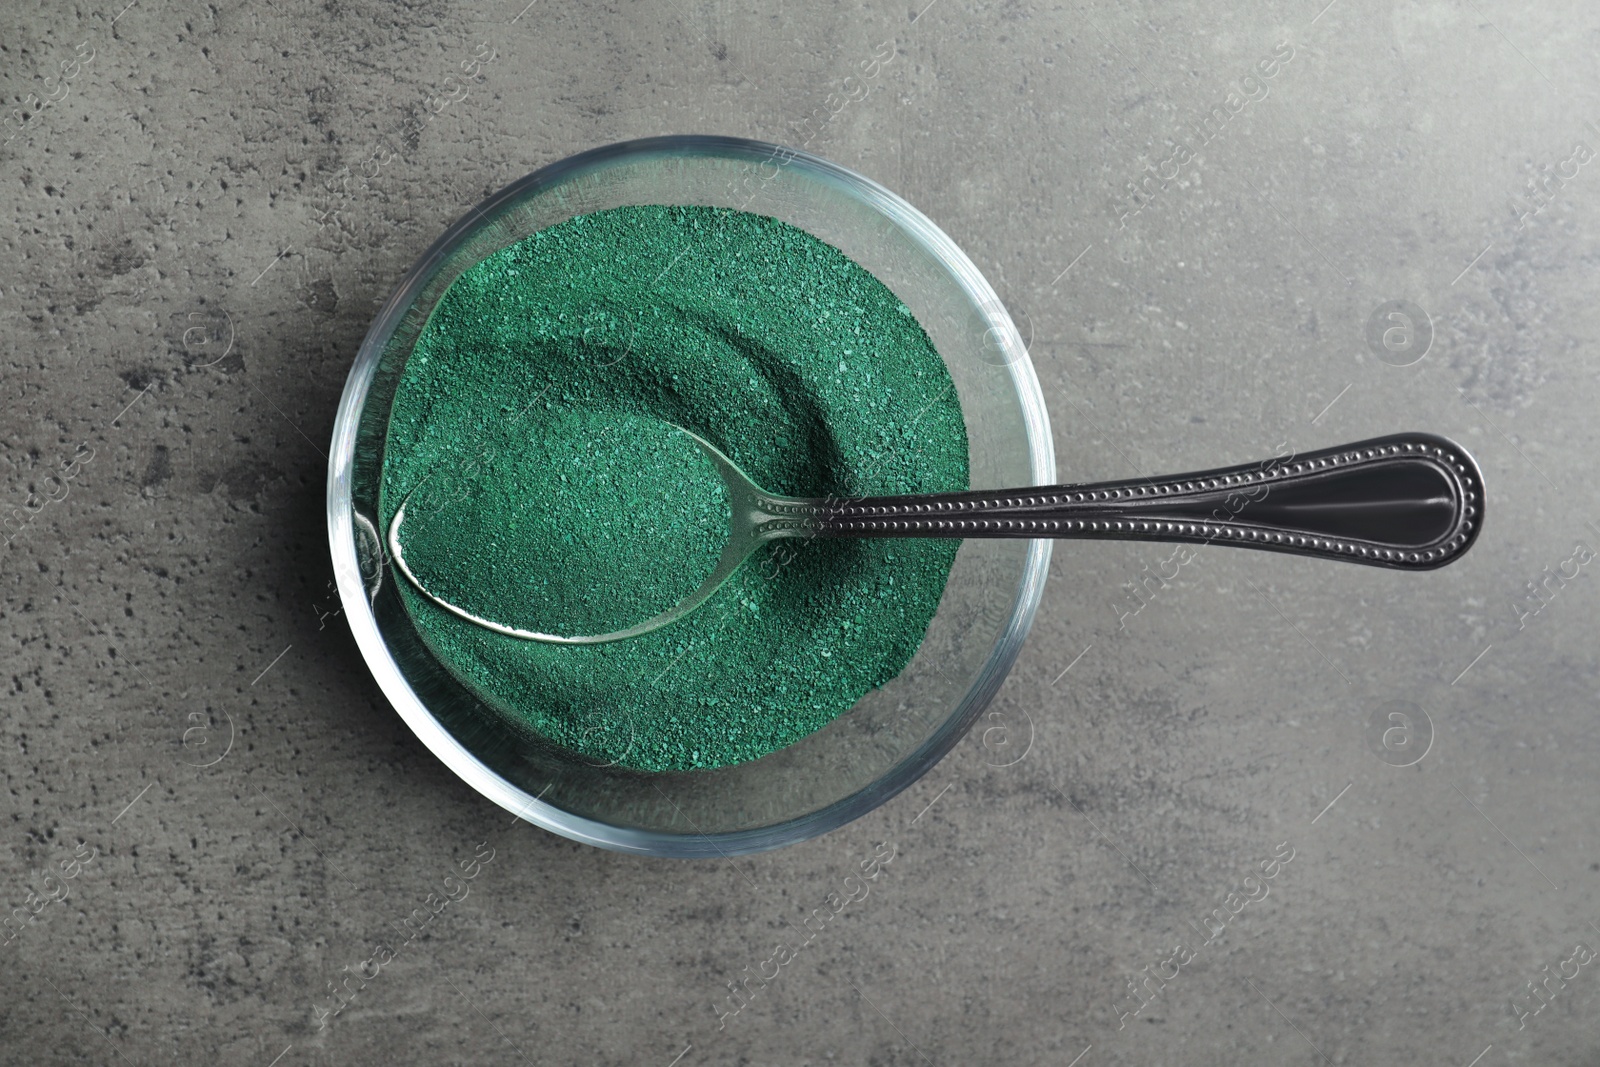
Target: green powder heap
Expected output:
[534,420]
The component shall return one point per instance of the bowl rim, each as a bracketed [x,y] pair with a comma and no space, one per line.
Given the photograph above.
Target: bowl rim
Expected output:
[455,755]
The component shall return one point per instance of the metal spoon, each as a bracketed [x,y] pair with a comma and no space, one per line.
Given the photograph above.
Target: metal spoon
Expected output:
[1411,501]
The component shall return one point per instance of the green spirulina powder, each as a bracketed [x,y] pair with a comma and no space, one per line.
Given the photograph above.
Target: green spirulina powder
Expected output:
[534,420]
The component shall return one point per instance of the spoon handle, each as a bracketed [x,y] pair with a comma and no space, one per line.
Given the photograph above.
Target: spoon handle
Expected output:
[1412,501]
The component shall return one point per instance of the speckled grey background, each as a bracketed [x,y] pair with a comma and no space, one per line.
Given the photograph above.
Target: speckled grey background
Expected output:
[203,203]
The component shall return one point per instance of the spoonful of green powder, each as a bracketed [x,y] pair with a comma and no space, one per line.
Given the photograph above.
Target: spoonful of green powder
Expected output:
[596,522]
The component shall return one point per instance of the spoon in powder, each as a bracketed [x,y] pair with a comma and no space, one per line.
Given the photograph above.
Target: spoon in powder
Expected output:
[1411,501]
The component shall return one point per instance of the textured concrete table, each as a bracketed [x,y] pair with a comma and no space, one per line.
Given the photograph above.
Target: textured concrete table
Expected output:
[1203,216]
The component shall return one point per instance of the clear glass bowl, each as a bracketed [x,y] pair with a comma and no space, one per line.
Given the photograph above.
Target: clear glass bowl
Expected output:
[893,735]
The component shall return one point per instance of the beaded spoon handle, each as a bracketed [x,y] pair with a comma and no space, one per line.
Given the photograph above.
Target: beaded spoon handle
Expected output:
[1411,501]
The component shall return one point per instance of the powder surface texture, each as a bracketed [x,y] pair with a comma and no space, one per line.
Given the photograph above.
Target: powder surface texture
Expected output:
[534,420]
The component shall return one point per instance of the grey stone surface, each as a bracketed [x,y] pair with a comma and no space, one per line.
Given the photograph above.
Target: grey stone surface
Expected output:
[198,227]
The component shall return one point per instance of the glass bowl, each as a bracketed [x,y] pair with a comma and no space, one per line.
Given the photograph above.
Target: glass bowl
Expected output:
[893,735]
